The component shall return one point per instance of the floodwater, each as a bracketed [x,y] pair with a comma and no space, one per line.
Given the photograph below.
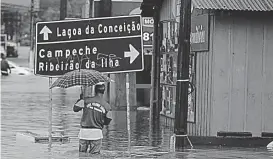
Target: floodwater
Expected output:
[24,107]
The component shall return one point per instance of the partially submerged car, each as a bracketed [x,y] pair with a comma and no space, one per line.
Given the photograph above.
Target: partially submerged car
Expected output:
[12,49]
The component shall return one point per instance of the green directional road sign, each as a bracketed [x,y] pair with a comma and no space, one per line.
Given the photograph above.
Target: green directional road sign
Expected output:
[110,45]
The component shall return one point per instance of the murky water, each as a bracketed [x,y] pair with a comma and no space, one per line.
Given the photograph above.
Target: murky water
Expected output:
[24,107]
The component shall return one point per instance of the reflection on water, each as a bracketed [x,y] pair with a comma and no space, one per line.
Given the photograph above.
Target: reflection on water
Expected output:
[25,103]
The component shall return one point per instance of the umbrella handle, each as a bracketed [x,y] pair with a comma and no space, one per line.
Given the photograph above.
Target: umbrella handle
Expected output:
[82,90]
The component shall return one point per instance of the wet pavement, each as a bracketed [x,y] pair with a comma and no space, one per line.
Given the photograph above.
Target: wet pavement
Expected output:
[24,107]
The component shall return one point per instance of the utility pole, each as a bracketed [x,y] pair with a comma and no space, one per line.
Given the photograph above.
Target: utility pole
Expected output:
[155,77]
[63,9]
[17,21]
[182,84]
[105,8]
[31,51]
[86,14]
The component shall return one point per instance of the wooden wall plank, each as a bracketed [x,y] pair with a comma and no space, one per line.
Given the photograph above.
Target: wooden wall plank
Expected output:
[254,75]
[238,74]
[220,75]
[268,85]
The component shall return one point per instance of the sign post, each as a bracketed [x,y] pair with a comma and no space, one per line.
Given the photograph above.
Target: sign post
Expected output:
[128,112]
[109,45]
[50,115]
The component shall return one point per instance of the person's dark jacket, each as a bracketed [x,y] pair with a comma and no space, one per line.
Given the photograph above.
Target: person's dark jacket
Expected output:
[94,112]
[4,65]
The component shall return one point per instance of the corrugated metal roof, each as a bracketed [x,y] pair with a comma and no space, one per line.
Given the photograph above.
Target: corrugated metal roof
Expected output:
[242,5]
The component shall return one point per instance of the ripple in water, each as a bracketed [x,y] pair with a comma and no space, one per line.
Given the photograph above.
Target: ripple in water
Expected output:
[24,107]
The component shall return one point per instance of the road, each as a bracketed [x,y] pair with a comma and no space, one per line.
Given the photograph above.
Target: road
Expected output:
[23,57]
[24,107]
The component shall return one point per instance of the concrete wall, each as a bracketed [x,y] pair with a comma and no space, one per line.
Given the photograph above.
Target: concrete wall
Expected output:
[242,73]
[117,95]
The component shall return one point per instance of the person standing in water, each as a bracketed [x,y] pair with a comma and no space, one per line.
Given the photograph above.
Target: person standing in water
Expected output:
[4,65]
[93,119]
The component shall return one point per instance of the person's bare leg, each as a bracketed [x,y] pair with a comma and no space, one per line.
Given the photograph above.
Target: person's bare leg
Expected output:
[83,145]
[95,146]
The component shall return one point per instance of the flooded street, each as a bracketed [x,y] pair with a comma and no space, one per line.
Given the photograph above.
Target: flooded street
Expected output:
[24,107]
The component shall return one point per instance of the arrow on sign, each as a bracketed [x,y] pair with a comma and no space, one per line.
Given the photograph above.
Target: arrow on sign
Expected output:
[132,54]
[45,31]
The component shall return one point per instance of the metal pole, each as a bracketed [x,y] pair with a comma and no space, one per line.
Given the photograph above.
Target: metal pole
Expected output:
[31,51]
[17,29]
[86,14]
[50,115]
[151,100]
[105,8]
[63,9]
[155,77]
[92,6]
[182,84]
[152,90]
[157,71]
[128,112]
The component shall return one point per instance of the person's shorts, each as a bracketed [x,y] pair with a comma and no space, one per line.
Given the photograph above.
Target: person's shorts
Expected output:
[95,146]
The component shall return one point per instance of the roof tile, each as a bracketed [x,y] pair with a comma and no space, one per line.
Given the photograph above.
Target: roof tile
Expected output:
[243,5]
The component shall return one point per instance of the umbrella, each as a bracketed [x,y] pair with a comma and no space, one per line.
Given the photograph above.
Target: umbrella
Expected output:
[81,77]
